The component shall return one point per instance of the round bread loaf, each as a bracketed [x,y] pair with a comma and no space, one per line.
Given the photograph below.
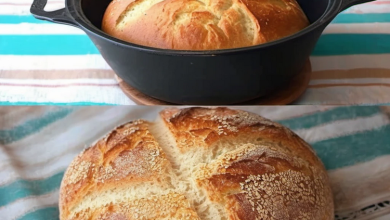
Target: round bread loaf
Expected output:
[197,163]
[202,24]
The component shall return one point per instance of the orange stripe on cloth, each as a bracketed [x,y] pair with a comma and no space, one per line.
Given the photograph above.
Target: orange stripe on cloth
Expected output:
[351,74]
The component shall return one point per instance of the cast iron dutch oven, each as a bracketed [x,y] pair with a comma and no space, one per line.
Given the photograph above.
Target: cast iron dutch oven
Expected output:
[201,77]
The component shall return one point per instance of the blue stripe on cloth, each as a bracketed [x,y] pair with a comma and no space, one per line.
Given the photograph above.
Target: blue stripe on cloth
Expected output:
[32,126]
[46,45]
[348,18]
[25,188]
[49,213]
[357,148]
[349,44]
[324,117]
[328,44]
[17,19]
[341,18]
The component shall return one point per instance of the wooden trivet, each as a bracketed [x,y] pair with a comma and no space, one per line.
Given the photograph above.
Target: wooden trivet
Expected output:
[287,95]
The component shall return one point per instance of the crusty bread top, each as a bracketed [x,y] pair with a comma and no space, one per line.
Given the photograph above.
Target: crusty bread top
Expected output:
[202,24]
[127,156]
[203,127]
[198,163]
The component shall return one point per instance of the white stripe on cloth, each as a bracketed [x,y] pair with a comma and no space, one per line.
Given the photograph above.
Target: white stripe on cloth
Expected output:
[56,29]
[362,28]
[39,29]
[31,1]
[378,6]
[345,95]
[343,128]
[59,82]
[350,62]
[39,171]
[366,184]
[61,62]
[22,206]
[69,94]
[19,8]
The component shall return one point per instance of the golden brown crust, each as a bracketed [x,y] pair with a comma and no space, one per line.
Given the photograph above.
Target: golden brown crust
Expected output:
[249,166]
[126,156]
[263,148]
[169,206]
[278,18]
[204,127]
[257,182]
[204,24]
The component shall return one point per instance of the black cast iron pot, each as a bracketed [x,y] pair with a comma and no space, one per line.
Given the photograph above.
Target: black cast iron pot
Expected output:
[201,77]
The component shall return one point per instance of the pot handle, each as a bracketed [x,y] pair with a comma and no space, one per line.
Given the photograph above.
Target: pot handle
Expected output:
[348,3]
[60,16]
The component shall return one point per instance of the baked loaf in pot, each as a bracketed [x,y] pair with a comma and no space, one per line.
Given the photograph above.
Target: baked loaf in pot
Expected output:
[197,163]
[202,24]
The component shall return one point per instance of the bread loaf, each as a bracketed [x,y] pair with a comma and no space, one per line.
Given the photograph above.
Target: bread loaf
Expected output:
[202,24]
[197,163]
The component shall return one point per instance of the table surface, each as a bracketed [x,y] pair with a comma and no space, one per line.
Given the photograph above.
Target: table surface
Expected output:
[38,143]
[46,63]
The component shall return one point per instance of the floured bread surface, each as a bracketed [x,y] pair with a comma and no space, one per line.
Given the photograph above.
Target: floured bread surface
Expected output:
[197,163]
[126,175]
[202,24]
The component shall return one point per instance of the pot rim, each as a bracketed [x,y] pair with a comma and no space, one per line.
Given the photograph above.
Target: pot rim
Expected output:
[75,10]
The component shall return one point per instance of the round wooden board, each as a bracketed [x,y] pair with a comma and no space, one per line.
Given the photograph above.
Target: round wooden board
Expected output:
[291,92]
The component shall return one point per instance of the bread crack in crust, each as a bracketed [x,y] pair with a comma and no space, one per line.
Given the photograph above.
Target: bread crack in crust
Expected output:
[197,163]
[202,24]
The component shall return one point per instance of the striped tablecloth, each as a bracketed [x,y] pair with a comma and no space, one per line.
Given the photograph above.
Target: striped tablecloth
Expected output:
[38,143]
[42,63]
